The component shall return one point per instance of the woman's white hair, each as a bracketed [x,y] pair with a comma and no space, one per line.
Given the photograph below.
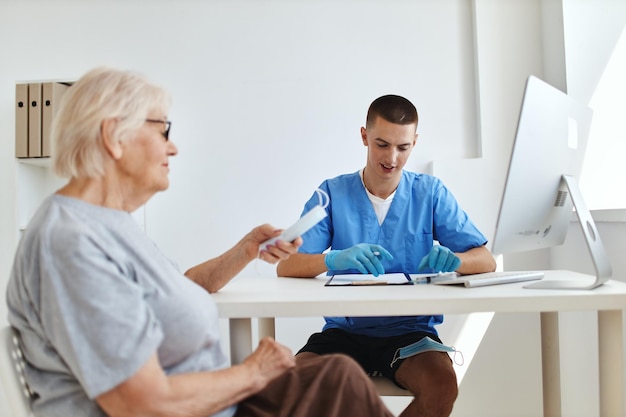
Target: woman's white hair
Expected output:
[101,94]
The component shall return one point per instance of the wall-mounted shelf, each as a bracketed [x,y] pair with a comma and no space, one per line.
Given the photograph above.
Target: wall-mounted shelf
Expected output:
[36,104]
[39,162]
[35,181]
[35,177]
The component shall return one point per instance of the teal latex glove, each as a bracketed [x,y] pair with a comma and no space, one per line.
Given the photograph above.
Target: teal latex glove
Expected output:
[440,259]
[363,257]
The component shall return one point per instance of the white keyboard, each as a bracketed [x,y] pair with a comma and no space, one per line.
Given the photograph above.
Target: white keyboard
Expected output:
[491,278]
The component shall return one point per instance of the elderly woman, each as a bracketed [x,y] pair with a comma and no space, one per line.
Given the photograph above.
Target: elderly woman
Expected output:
[108,324]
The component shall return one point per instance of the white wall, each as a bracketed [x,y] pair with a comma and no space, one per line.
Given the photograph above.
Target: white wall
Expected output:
[596,63]
[269,95]
[268,100]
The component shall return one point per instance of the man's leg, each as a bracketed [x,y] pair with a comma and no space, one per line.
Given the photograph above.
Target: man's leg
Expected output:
[431,379]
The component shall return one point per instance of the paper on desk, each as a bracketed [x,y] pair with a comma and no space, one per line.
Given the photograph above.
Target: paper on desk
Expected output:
[369,279]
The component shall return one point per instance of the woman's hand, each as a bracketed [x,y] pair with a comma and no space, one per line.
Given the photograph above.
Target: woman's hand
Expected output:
[269,360]
[150,392]
[278,251]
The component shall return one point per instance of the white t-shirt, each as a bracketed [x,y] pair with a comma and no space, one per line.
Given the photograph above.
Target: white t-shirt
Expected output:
[381,205]
[93,298]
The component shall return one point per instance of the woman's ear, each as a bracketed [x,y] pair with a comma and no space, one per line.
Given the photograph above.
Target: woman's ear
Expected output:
[109,141]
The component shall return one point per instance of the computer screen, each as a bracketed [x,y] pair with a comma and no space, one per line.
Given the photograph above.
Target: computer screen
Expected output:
[541,184]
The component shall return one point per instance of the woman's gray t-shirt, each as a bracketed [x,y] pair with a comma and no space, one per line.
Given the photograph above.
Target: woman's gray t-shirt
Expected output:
[93,298]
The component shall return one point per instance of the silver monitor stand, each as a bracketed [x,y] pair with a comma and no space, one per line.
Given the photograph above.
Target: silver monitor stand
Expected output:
[594,244]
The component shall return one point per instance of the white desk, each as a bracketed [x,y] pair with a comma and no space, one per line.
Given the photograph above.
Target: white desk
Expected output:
[265,298]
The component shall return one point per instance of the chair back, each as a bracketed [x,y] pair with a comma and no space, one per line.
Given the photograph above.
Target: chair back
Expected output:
[17,392]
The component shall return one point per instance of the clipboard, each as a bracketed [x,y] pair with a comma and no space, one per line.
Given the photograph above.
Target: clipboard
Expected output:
[349,280]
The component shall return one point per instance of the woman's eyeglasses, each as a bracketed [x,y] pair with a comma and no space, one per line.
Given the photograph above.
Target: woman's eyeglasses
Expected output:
[167,123]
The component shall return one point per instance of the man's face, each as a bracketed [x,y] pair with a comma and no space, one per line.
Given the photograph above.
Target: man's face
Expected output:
[389,146]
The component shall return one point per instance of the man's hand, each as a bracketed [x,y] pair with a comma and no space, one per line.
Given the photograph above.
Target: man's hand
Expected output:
[440,259]
[363,257]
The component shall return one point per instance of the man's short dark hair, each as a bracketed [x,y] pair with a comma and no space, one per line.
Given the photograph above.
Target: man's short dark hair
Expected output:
[392,108]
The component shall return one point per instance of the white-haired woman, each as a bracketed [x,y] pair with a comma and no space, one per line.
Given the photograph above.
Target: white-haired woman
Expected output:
[108,324]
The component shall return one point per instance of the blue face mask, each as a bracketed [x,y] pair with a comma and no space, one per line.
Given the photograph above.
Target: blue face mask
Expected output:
[425,345]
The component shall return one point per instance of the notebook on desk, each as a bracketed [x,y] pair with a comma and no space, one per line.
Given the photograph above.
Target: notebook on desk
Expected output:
[488,278]
[342,280]
[394,278]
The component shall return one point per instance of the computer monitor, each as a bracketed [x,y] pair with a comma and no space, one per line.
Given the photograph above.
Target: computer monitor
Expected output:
[541,187]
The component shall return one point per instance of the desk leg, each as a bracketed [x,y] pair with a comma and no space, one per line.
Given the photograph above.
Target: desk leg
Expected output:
[267,327]
[551,364]
[241,336]
[240,339]
[610,349]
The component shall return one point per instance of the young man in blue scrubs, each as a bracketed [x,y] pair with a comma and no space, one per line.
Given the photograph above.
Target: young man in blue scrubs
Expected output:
[383,219]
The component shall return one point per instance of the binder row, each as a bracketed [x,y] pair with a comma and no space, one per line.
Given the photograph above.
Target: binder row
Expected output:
[35,106]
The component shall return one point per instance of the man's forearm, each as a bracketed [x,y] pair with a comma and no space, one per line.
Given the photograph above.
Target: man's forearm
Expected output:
[302,266]
[476,261]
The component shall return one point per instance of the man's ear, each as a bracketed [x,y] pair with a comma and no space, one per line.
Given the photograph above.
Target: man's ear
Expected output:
[364,136]
[110,143]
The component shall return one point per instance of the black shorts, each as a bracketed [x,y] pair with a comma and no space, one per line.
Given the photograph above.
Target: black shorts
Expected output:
[374,354]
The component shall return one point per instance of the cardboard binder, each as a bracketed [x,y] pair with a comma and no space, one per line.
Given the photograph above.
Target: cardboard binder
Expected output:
[51,97]
[34,120]
[21,120]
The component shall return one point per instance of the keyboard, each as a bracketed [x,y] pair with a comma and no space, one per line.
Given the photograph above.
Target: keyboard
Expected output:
[491,278]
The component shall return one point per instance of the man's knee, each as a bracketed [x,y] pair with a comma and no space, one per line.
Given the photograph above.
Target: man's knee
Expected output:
[429,376]
[435,389]
[444,385]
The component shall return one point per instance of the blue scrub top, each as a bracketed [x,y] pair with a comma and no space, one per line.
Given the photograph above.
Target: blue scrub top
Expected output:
[423,210]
